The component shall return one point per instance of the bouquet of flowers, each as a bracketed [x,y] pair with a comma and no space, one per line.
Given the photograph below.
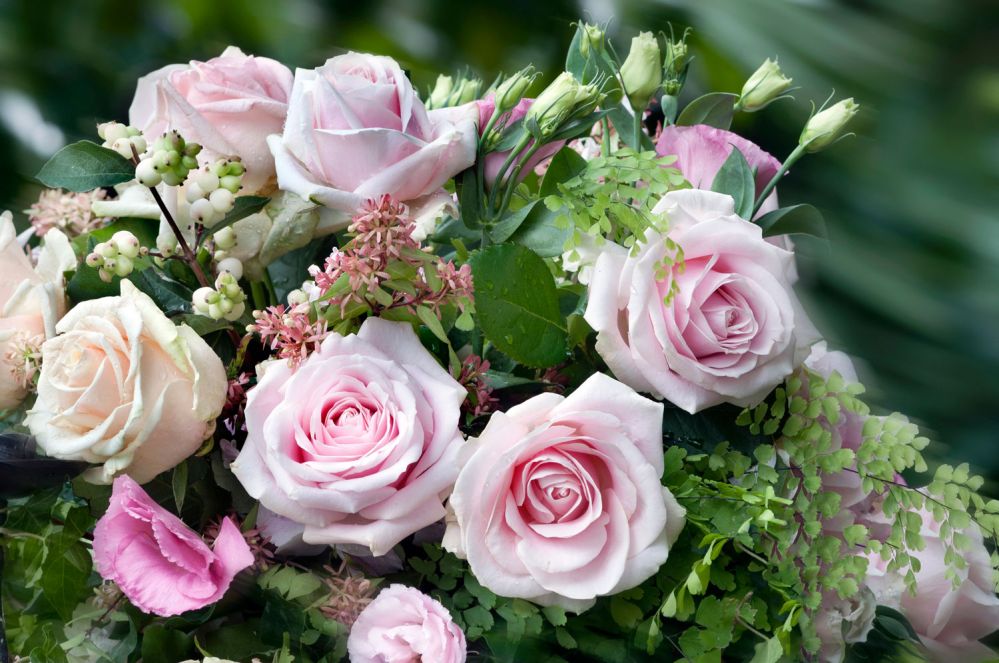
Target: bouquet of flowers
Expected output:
[309,366]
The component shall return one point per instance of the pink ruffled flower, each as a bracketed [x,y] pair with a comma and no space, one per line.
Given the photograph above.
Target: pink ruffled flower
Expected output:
[403,624]
[160,564]
[702,150]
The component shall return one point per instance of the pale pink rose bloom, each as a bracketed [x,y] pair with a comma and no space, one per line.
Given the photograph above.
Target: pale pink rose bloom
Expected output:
[702,150]
[494,160]
[31,299]
[733,331]
[160,564]
[950,622]
[359,442]
[229,104]
[123,386]
[559,500]
[357,130]
[405,625]
[841,622]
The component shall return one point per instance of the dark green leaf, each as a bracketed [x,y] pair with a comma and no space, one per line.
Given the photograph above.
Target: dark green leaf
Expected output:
[178,482]
[201,324]
[706,429]
[85,166]
[160,645]
[451,228]
[172,297]
[714,109]
[242,207]
[796,219]
[735,178]
[578,127]
[539,231]
[291,269]
[509,224]
[517,304]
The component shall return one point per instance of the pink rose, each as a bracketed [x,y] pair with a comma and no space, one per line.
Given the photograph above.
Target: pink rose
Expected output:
[31,302]
[702,150]
[357,130]
[733,331]
[494,160]
[229,105]
[559,499]
[161,564]
[950,621]
[403,624]
[359,443]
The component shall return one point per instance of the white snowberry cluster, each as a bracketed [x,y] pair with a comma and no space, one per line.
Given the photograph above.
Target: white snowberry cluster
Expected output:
[124,139]
[116,256]
[169,160]
[225,301]
[211,190]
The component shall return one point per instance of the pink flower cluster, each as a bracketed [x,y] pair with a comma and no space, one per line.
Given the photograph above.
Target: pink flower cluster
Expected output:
[291,332]
[69,212]
[383,236]
[473,378]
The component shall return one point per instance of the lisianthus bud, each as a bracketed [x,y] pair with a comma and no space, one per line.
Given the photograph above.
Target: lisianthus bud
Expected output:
[765,85]
[512,90]
[563,99]
[641,73]
[593,38]
[441,92]
[467,91]
[825,127]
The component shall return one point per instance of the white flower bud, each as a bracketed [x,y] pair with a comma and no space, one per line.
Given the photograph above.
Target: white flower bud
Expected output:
[202,211]
[231,266]
[200,299]
[222,200]
[825,127]
[126,243]
[765,85]
[225,238]
[593,38]
[441,92]
[512,90]
[146,173]
[641,73]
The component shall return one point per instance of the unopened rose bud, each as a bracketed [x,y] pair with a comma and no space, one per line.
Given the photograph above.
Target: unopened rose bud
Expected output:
[441,92]
[766,84]
[825,127]
[641,73]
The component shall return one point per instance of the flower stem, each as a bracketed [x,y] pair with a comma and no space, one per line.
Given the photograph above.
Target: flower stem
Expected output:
[790,161]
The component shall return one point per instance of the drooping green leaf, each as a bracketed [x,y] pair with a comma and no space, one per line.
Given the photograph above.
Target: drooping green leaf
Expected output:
[795,219]
[85,166]
[714,109]
[511,222]
[178,483]
[162,645]
[243,206]
[517,304]
[539,230]
[735,178]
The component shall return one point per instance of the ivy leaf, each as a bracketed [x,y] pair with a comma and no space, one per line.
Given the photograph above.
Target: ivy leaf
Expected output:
[735,178]
[714,109]
[795,219]
[85,166]
[517,304]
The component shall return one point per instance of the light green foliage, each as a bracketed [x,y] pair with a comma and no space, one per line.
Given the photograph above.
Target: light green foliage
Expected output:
[613,196]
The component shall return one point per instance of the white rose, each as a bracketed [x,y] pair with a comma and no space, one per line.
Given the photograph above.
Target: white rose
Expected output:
[123,386]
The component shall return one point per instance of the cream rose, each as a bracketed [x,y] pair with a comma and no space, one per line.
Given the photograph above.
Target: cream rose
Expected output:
[559,499]
[31,301]
[123,386]
[733,331]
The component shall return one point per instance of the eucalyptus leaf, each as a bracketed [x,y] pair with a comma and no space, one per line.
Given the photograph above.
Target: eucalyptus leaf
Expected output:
[517,304]
[714,109]
[85,166]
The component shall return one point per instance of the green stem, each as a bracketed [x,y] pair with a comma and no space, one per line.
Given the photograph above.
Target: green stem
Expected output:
[637,127]
[605,141]
[511,184]
[790,161]
[498,182]
[258,294]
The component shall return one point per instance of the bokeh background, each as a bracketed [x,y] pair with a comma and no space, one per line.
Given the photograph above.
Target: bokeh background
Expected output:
[909,284]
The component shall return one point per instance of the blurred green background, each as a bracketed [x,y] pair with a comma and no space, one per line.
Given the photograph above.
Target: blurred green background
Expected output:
[910,282]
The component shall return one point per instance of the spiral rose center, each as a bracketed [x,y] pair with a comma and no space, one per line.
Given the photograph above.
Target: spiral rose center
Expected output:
[556,486]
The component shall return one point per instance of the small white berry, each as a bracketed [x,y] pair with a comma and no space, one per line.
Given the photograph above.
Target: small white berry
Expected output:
[146,173]
[126,243]
[222,200]
[232,266]
[193,192]
[200,299]
[225,238]
[236,312]
[122,266]
[203,212]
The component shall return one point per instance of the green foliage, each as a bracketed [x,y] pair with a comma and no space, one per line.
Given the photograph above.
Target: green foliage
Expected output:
[85,166]
[800,219]
[735,178]
[517,304]
[714,109]
[243,206]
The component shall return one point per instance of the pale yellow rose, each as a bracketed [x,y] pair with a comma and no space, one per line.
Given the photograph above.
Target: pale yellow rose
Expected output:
[31,300]
[123,386]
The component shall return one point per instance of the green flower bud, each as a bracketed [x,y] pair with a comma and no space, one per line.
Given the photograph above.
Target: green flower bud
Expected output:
[825,127]
[765,85]
[593,39]
[641,73]
[676,57]
[512,90]
[563,99]
[468,90]
[441,92]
